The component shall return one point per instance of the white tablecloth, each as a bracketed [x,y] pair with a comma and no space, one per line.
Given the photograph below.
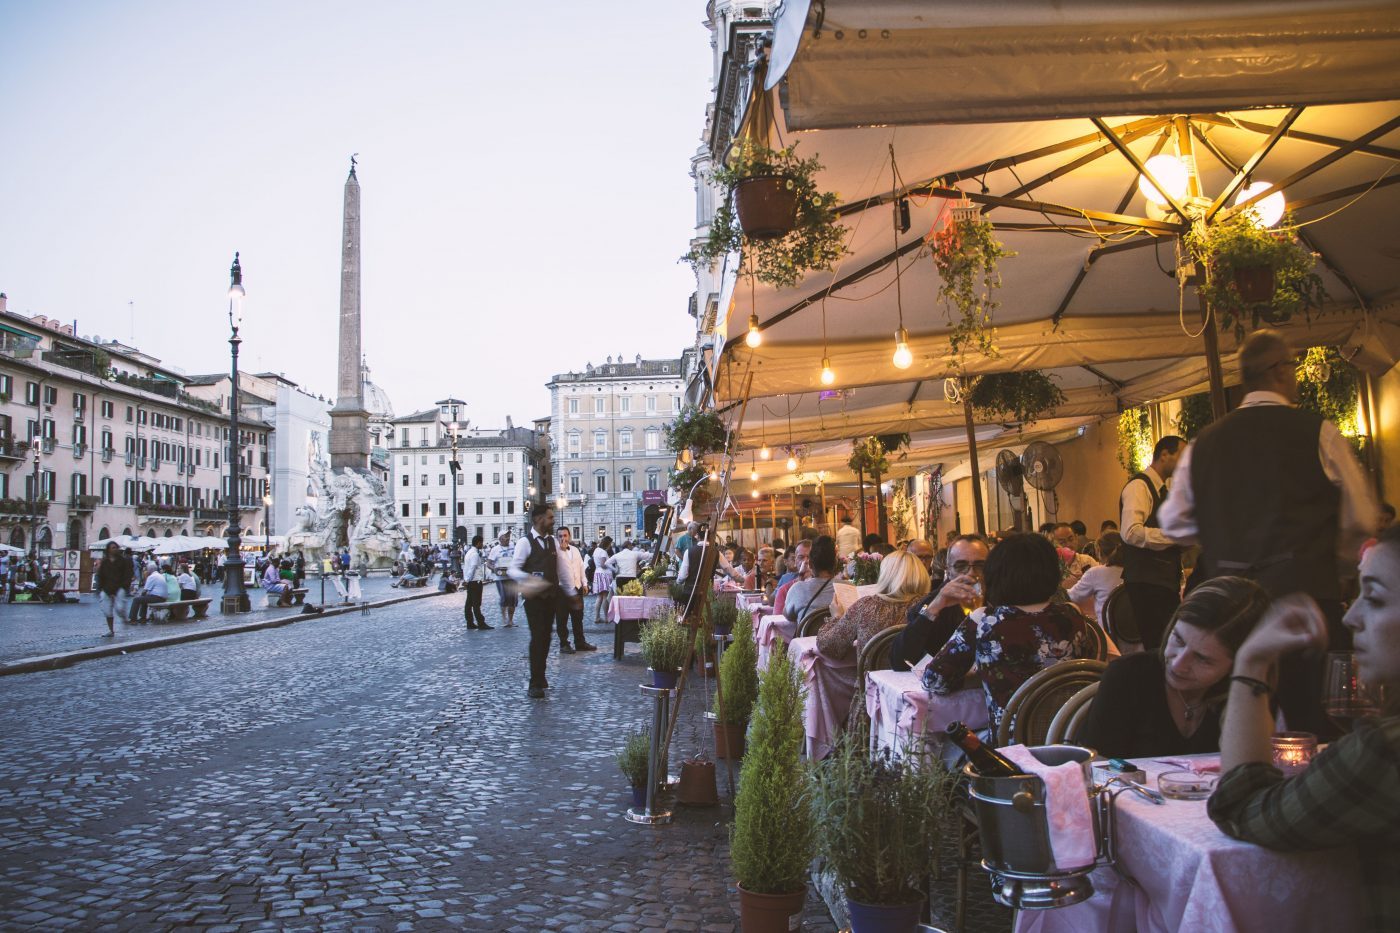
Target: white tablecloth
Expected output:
[750,602]
[636,607]
[1194,877]
[769,629]
[903,715]
[830,686]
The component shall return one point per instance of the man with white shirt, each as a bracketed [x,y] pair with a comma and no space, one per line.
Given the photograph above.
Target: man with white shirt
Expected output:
[497,560]
[1275,494]
[573,585]
[847,539]
[625,565]
[1151,562]
[535,569]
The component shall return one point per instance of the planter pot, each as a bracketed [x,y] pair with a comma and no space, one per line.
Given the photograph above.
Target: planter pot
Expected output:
[770,913]
[883,918]
[639,797]
[1255,284]
[665,679]
[766,206]
[697,786]
[729,739]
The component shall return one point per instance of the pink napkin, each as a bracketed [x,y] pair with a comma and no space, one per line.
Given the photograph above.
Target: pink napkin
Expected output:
[1066,805]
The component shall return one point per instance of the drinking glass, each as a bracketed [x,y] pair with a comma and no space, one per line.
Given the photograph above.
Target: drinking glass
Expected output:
[1345,697]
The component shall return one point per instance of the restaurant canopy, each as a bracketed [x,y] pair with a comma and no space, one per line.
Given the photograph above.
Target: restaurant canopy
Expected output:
[1042,118]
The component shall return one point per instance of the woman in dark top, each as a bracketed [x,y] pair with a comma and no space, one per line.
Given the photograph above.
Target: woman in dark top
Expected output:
[1168,702]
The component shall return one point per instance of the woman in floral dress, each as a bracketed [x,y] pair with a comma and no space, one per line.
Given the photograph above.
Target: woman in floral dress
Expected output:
[1018,633]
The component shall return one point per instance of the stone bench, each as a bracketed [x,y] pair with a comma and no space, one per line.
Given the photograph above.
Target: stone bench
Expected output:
[293,597]
[407,582]
[179,609]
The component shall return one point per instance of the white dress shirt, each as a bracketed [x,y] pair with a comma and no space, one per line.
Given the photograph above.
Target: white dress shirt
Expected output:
[625,563]
[474,570]
[1357,512]
[571,577]
[1098,582]
[847,541]
[1137,508]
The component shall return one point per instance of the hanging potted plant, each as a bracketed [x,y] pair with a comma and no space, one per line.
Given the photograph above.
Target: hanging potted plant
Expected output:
[632,762]
[699,431]
[665,644]
[692,480]
[738,682]
[966,252]
[879,820]
[771,840]
[775,213]
[1020,397]
[1254,274]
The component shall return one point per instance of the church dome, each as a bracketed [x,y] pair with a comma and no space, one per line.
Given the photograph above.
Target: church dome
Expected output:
[375,400]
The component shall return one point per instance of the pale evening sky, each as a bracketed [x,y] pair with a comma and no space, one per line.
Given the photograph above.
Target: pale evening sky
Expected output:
[524,174]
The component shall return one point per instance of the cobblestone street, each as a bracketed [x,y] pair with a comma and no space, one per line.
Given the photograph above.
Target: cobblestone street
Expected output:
[369,771]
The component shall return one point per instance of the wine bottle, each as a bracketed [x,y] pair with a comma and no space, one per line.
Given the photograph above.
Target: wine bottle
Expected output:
[985,760]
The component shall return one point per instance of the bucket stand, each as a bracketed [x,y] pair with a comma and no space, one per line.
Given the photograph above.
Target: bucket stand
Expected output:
[651,815]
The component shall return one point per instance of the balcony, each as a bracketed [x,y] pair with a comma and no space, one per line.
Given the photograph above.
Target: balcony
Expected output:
[13,449]
[79,451]
[210,515]
[83,503]
[155,466]
[21,510]
[150,513]
[50,444]
[107,454]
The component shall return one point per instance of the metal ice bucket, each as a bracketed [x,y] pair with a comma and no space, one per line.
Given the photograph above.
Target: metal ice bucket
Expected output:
[1014,827]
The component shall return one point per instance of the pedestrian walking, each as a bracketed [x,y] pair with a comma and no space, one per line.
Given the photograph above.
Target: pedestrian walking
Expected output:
[535,569]
[114,585]
[498,562]
[475,574]
[602,577]
[573,587]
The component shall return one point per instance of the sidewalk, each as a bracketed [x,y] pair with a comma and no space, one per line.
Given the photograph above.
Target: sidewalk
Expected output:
[54,635]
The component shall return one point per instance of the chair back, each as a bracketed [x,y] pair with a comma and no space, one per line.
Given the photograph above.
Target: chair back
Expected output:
[1065,727]
[813,621]
[1119,620]
[1031,708]
[874,656]
[1097,640]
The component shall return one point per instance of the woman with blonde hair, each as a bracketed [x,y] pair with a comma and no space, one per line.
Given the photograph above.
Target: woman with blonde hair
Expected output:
[903,579]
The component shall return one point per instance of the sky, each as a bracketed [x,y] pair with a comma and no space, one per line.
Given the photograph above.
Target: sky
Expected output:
[524,173]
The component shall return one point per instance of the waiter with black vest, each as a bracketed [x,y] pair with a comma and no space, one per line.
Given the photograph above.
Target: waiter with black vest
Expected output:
[535,567]
[1151,562]
[1275,494]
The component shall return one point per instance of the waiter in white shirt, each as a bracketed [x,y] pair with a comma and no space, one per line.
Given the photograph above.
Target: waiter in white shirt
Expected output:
[535,569]
[625,565]
[573,585]
[1151,561]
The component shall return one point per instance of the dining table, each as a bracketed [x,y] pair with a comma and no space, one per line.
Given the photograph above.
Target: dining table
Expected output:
[1188,875]
[627,613]
[906,721]
[830,685]
[752,603]
[768,632]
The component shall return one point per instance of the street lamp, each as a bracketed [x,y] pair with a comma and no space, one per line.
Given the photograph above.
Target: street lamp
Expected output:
[267,522]
[35,448]
[452,469]
[235,596]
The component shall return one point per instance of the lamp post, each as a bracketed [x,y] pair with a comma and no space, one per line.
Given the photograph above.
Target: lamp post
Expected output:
[235,596]
[35,448]
[452,469]
[267,522]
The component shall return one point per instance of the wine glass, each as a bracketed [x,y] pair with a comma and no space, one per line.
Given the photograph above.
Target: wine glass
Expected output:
[1344,696]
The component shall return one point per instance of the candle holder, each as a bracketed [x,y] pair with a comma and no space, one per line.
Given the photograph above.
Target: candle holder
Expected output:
[1293,751]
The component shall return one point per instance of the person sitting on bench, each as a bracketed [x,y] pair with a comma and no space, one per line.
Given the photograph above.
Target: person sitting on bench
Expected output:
[152,591]
[276,586]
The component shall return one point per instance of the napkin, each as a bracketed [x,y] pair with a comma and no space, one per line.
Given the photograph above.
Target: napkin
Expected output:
[1071,823]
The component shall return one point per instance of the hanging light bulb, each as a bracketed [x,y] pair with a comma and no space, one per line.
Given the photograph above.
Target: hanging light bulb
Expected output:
[828,374]
[791,462]
[764,453]
[1267,211]
[903,356]
[754,338]
[753,475]
[754,492]
[1171,172]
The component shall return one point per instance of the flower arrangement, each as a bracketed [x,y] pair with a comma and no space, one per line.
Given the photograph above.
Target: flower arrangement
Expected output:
[865,567]
[1066,556]
[966,252]
[697,430]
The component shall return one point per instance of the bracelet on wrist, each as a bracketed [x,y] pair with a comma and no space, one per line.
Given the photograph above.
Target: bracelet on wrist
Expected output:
[1257,687]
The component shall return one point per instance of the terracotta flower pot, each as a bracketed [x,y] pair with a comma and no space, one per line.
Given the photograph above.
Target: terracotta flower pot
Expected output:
[766,205]
[770,913]
[729,740]
[1255,284]
[697,786]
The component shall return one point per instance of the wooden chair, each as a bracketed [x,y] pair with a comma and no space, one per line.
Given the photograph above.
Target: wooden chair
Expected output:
[874,656]
[1098,640]
[1066,726]
[1033,706]
[812,621]
[1119,620]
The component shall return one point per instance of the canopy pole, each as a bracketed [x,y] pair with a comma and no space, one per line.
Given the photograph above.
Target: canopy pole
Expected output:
[977,509]
[1210,338]
[881,519]
[860,489]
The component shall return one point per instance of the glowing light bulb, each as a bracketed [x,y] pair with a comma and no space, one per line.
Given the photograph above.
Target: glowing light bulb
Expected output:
[764,453]
[754,338]
[903,357]
[792,463]
[1171,172]
[754,492]
[828,375]
[753,475]
[1267,211]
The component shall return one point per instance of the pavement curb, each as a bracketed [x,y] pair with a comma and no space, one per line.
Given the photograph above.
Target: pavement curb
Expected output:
[51,662]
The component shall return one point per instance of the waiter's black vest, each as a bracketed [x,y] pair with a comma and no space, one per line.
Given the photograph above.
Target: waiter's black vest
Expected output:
[1144,565]
[543,559]
[1264,507]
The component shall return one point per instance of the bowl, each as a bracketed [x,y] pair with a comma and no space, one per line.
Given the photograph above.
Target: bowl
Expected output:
[1186,785]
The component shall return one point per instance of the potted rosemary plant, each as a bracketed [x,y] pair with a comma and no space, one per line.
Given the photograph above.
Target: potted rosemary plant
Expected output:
[632,762]
[665,645]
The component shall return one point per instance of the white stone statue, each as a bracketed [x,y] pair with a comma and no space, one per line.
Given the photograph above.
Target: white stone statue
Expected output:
[355,507]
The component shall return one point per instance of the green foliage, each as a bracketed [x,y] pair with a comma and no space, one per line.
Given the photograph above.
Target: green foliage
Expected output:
[1195,414]
[1327,385]
[1020,397]
[632,757]
[966,253]
[738,674]
[772,839]
[879,821]
[724,615]
[697,430]
[688,476]
[872,454]
[665,642]
[816,241]
[1134,440]
[1238,243]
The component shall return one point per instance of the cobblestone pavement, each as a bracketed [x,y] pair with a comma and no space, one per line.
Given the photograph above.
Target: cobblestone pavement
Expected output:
[31,629]
[380,771]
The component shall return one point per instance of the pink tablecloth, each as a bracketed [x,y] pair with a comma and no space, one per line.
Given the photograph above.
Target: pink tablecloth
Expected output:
[830,686]
[903,715]
[1194,877]
[636,607]
[768,630]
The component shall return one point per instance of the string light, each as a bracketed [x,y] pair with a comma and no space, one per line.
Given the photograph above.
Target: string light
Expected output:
[754,338]
[764,453]
[754,492]
[903,356]
[791,462]
[828,375]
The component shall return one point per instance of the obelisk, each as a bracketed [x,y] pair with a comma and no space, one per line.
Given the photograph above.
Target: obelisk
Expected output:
[349,439]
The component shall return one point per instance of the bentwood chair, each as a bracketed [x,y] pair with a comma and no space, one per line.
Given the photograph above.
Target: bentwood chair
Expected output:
[1070,720]
[1119,620]
[1098,640]
[1033,706]
[874,656]
[812,621]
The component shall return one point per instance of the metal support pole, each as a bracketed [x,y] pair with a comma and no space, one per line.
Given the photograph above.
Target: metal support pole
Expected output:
[235,595]
[656,768]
